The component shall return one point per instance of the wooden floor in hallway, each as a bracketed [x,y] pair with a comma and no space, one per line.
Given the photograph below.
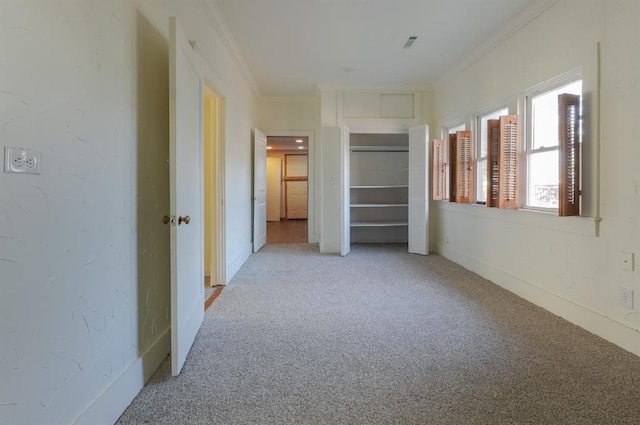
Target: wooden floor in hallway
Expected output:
[287,231]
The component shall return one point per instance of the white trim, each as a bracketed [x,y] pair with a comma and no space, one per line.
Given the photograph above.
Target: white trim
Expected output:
[372,88]
[592,321]
[289,99]
[108,407]
[525,108]
[330,247]
[553,83]
[373,130]
[219,152]
[516,24]
[451,124]
[578,225]
[215,16]
[312,236]
[477,136]
[237,262]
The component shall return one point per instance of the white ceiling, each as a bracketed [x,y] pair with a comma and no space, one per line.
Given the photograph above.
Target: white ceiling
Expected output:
[287,144]
[292,46]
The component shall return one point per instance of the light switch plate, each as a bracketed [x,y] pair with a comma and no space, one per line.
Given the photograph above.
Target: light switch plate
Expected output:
[23,161]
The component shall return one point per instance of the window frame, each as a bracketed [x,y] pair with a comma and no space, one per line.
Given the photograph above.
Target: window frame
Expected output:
[447,129]
[494,112]
[526,103]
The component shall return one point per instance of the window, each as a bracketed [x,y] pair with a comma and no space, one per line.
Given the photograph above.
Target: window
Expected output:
[481,153]
[452,159]
[553,148]
[439,178]
[503,152]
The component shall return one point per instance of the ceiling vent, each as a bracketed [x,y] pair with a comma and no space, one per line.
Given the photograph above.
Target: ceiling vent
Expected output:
[410,42]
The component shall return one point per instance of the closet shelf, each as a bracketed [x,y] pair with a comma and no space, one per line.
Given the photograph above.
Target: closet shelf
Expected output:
[376,205]
[391,223]
[388,186]
[379,148]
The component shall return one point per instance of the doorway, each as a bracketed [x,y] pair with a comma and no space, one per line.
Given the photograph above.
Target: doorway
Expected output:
[213,118]
[287,189]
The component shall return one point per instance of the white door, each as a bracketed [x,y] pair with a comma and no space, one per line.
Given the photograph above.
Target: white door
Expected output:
[419,190]
[345,201]
[274,179]
[297,199]
[259,190]
[187,257]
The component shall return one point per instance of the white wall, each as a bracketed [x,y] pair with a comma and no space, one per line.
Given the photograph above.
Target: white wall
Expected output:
[286,117]
[84,281]
[560,263]
[364,111]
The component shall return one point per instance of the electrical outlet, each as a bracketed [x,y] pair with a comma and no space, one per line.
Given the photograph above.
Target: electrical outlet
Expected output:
[18,160]
[625,298]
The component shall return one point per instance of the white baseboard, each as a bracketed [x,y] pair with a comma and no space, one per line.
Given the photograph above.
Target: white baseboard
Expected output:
[594,322]
[237,262]
[330,247]
[114,400]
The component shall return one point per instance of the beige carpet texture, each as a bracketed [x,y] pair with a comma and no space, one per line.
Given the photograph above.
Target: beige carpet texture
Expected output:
[385,337]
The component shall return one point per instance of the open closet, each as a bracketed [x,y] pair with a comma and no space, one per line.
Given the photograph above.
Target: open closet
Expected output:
[380,183]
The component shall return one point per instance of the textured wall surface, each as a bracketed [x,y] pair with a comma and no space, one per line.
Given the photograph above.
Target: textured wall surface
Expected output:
[555,257]
[84,277]
[294,115]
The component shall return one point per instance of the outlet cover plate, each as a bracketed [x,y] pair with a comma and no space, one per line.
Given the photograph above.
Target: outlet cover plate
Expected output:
[23,161]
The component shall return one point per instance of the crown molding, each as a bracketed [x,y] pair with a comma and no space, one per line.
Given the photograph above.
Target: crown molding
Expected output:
[375,88]
[290,99]
[215,16]
[516,24]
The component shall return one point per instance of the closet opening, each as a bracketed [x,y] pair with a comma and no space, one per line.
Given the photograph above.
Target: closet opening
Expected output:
[379,184]
[287,189]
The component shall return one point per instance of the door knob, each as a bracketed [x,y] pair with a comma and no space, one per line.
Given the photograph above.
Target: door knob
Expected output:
[166,219]
[186,220]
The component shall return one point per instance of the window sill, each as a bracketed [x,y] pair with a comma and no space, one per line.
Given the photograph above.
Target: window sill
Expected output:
[585,226]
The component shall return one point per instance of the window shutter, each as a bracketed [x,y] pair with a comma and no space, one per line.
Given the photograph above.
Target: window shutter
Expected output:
[493,166]
[569,126]
[439,173]
[464,162]
[453,166]
[508,162]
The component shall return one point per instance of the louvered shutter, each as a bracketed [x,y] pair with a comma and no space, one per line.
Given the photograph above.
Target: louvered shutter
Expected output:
[439,173]
[464,162]
[493,166]
[569,126]
[508,162]
[453,166]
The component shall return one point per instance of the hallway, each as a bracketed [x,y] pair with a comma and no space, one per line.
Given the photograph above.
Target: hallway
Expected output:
[385,337]
[287,231]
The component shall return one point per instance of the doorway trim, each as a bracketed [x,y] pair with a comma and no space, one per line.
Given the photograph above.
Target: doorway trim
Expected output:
[218,152]
[313,226]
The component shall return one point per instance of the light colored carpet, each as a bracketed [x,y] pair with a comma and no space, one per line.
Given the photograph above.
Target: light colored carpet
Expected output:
[385,337]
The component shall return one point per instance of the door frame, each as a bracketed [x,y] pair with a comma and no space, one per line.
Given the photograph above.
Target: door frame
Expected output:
[313,222]
[287,179]
[219,155]
[259,160]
